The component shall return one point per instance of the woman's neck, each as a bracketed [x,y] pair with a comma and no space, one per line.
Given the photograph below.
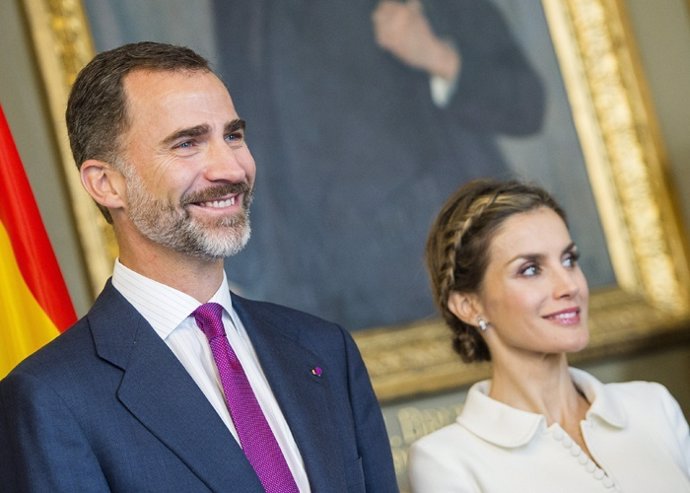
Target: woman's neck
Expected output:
[543,386]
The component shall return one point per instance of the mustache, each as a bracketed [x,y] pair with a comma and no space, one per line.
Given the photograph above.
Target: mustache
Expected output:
[217,192]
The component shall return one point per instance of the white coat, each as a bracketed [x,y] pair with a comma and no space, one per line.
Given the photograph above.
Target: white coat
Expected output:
[635,431]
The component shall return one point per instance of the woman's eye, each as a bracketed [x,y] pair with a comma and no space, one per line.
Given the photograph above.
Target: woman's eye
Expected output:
[571,259]
[529,271]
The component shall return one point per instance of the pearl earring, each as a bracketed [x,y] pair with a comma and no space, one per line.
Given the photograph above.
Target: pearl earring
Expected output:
[483,324]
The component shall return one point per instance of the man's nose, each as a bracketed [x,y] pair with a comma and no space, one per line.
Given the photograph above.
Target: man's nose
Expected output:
[226,162]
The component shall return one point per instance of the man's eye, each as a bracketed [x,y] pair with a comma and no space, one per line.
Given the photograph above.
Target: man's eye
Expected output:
[184,145]
[234,137]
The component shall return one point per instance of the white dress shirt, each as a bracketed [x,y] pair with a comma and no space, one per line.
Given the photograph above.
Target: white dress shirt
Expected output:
[169,313]
[635,431]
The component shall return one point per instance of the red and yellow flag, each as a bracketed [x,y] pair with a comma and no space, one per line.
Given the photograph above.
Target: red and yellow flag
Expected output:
[34,303]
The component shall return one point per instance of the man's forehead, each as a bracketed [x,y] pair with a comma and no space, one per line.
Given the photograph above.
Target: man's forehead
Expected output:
[161,105]
[182,80]
[159,90]
[153,72]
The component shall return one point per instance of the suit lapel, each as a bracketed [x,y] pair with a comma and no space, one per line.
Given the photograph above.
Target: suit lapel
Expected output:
[159,392]
[303,397]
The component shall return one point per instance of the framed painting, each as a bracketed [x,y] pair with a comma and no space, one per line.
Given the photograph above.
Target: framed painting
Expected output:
[595,145]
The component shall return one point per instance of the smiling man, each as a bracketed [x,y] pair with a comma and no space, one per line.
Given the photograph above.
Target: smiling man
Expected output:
[171,382]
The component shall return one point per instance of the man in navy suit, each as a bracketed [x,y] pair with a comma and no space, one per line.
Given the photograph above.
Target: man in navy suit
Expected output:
[129,399]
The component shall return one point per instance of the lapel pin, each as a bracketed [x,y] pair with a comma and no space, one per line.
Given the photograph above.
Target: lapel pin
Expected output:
[316,371]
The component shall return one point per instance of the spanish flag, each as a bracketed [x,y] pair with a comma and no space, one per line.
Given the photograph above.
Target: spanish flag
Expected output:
[34,303]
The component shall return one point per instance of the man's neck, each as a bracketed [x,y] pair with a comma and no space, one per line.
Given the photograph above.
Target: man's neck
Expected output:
[197,277]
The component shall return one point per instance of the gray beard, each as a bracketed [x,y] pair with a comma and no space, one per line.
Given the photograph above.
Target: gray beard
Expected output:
[175,228]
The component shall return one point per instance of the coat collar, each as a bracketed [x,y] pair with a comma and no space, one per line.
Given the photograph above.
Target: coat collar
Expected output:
[508,427]
[604,406]
[159,392]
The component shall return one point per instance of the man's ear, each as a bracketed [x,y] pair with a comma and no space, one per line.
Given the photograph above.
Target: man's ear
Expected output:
[465,306]
[104,183]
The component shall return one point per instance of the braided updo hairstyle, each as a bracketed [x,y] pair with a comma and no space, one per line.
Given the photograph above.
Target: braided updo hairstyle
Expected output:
[457,249]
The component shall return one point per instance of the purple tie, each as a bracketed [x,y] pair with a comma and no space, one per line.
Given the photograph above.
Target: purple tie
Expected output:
[257,440]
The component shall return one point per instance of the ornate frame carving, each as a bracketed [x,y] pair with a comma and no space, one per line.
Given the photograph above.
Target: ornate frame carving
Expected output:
[62,46]
[625,160]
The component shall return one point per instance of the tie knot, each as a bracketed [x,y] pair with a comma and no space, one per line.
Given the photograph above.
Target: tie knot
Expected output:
[209,318]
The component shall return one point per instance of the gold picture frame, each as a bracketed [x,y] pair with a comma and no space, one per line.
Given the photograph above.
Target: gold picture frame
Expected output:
[625,162]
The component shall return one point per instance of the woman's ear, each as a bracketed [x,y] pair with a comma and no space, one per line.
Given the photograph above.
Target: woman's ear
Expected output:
[465,306]
[104,183]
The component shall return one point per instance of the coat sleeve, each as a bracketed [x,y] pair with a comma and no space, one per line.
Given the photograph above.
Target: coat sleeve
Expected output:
[679,425]
[42,447]
[372,438]
[431,467]
[497,90]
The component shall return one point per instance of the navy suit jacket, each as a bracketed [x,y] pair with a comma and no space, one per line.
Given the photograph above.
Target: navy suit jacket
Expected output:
[107,406]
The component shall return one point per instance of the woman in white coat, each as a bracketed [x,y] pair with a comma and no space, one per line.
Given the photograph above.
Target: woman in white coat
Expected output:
[505,276]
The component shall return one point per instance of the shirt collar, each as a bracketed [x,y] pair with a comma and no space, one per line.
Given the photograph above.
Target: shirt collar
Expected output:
[164,307]
[505,426]
[604,406]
